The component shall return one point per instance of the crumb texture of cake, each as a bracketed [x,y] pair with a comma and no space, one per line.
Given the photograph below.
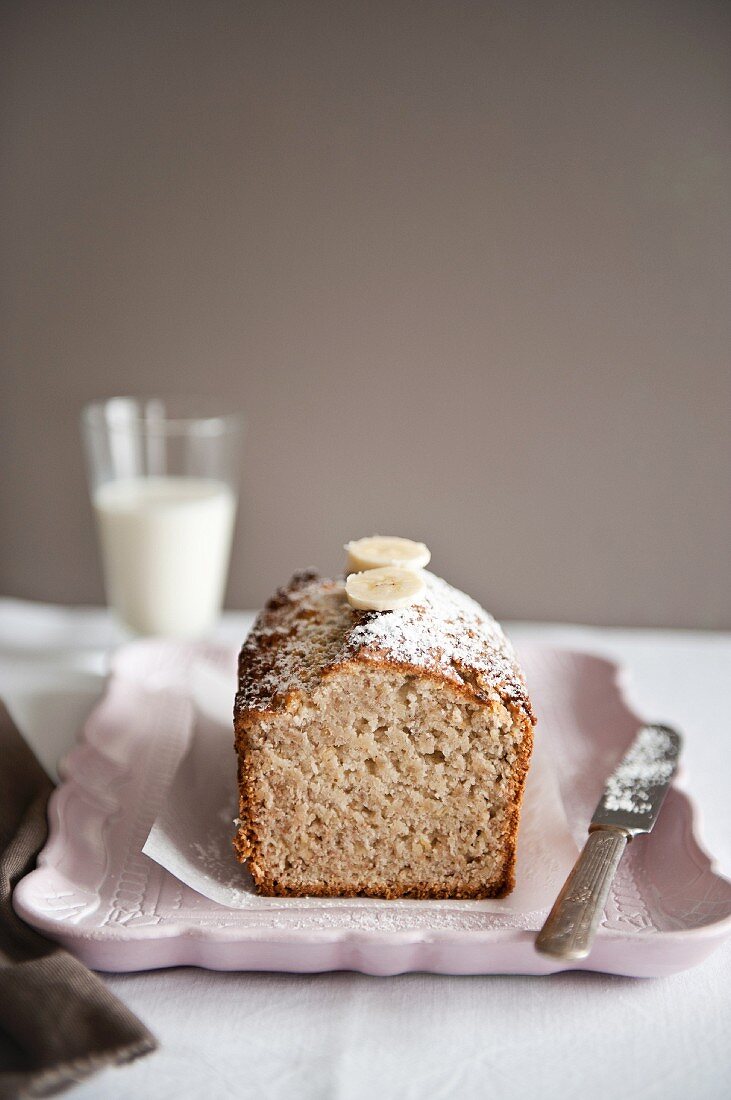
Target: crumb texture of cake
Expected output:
[380,753]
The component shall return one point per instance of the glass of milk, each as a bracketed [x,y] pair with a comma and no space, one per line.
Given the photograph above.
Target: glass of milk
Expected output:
[163,478]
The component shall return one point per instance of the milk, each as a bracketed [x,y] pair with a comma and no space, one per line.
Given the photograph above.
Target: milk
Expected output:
[165,548]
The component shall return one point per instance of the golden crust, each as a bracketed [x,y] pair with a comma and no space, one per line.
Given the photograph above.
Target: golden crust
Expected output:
[446,637]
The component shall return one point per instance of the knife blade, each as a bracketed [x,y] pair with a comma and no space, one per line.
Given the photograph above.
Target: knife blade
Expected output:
[629,806]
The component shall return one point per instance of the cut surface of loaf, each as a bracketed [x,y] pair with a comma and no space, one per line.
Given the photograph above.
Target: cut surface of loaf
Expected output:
[380,753]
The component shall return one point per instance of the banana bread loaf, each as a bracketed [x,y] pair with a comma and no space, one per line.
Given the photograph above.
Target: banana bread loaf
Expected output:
[380,753]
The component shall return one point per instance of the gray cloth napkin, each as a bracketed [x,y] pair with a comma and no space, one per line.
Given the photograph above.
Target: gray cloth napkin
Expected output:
[58,1022]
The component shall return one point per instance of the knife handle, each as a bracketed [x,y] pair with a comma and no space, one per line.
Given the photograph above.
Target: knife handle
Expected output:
[572,923]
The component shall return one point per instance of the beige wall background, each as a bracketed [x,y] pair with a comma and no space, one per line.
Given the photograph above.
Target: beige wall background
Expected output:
[464,266]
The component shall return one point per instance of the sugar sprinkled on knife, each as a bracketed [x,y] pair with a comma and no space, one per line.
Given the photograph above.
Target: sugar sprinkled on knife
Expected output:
[648,764]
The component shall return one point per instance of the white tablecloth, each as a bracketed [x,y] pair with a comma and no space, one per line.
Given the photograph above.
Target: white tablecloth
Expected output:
[355,1037]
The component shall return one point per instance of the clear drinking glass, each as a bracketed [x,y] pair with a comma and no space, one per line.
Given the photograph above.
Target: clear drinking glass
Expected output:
[163,479]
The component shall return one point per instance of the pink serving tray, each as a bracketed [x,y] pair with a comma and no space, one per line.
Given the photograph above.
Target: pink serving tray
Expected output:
[97,894]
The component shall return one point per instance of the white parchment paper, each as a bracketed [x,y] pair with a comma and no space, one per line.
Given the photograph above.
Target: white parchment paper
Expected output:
[191,836]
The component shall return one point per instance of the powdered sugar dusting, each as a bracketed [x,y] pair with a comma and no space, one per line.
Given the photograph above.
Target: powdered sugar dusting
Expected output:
[309,628]
[446,632]
[649,763]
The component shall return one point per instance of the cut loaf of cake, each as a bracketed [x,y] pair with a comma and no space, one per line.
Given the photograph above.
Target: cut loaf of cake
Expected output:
[380,753]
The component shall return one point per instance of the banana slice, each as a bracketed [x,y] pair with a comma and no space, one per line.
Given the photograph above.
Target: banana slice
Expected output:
[385,589]
[380,550]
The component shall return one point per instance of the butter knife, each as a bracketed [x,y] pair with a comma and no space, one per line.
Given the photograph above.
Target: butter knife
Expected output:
[629,807]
